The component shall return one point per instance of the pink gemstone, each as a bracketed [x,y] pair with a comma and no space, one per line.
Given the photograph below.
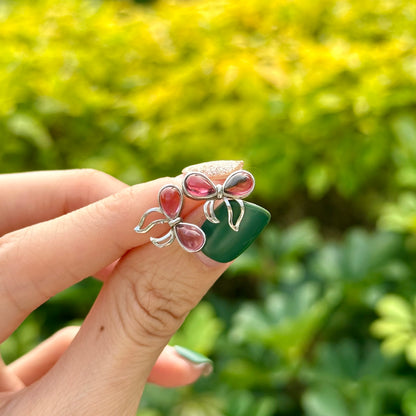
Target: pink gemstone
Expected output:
[191,237]
[170,201]
[199,187]
[239,184]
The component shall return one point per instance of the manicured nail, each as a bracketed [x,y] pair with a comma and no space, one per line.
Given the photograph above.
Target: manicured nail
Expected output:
[195,358]
[216,170]
[224,244]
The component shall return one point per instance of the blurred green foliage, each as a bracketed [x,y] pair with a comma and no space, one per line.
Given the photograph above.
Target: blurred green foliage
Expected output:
[397,325]
[319,99]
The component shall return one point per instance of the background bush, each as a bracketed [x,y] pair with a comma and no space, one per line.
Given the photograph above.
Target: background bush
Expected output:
[319,99]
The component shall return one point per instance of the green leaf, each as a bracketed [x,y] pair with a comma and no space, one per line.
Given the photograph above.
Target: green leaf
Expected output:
[29,127]
[324,401]
[318,180]
[395,307]
[200,330]
[395,343]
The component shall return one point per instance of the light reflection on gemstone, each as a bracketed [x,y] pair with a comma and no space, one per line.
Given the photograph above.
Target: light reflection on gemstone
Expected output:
[198,186]
[240,184]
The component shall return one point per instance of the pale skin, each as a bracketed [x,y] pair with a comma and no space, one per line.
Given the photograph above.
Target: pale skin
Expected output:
[60,227]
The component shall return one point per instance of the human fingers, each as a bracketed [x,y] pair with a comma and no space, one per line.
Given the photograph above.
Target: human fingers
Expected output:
[175,366]
[33,197]
[37,362]
[178,366]
[41,260]
[139,308]
[9,381]
[50,194]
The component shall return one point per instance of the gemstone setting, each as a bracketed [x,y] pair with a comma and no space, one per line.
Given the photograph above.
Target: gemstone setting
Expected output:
[190,237]
[239,185]
[170,201]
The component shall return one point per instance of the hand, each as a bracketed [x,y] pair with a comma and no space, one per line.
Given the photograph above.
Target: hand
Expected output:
[61,227]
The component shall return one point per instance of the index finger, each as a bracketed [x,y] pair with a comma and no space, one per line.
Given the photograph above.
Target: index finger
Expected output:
[32,197]
[41,260]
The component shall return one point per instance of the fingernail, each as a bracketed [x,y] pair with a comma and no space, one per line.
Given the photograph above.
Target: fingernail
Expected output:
[224,244]
[195,358]
[216,170]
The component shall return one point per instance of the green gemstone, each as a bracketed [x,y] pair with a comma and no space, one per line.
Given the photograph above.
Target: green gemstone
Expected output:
[223,243]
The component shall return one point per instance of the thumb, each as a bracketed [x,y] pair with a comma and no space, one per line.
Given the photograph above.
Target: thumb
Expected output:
[146,299]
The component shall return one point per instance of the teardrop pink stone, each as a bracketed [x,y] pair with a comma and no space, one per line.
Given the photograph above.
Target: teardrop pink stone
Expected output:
[199,187]
[190,236]
[240,185]
[170,201]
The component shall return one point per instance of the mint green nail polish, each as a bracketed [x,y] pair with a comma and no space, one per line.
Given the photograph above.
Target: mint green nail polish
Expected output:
[224,244]
[193,356]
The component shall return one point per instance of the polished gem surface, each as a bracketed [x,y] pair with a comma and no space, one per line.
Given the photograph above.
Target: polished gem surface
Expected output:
[240,185]
[170,201]
[190,236]
[198,186]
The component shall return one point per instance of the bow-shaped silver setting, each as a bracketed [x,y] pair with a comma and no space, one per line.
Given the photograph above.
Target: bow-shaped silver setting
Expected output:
[238,185]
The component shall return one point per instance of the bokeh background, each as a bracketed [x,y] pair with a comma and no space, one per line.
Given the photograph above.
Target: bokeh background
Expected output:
[318,318]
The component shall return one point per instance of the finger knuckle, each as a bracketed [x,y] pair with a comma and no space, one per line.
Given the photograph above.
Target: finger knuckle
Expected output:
[22,268]
[10,251]
[88,180]
[121,204]
[91,177]
[84,187]
[156,306]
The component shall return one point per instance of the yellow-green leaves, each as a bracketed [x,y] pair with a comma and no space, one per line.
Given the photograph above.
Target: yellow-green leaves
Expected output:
[397,326]
[315,96]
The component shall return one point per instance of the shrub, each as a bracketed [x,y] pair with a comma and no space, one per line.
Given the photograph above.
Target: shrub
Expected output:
[318,98]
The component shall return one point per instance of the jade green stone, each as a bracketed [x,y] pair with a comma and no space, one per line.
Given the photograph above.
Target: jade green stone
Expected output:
[223,243]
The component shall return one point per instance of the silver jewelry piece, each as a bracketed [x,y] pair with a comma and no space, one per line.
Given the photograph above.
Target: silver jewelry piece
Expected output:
[189,236]
[238,185]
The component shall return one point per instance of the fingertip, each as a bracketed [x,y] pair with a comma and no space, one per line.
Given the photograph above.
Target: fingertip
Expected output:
[178,366]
